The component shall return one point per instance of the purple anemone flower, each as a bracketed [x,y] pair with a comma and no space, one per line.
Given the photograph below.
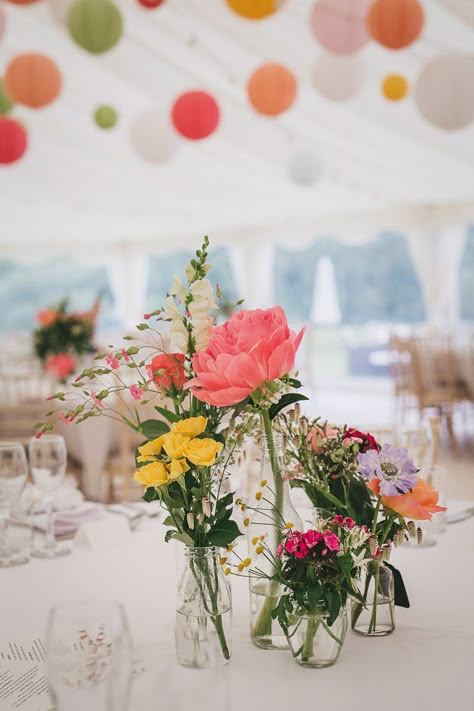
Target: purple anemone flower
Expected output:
[392,465]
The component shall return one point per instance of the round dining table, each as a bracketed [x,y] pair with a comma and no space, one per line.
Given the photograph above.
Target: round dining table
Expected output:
[427,663]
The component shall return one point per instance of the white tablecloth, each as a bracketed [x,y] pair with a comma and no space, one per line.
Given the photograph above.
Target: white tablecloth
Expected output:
[425,664]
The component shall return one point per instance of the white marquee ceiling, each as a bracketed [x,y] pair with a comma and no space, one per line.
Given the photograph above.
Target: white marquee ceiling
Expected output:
[81,186]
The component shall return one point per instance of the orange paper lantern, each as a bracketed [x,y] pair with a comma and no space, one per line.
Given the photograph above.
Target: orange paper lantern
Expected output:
[395,23]
[254,9]
[394,87]
[33,80]
[272,89]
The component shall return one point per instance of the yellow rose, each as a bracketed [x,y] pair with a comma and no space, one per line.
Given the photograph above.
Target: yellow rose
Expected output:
[147,458]
[174,444]
[202,452]
[153,447]
[178,467]
[192,427]
[154,474]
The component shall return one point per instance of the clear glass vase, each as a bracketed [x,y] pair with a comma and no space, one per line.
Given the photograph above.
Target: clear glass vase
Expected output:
[313,642]
[273,511]
[376,618]
[203,631]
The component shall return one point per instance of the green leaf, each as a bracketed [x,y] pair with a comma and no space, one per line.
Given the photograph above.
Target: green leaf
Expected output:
[284,401]
[150,494]
[167,414]
[154,428]
[223,533]
[294,383]
[183,537]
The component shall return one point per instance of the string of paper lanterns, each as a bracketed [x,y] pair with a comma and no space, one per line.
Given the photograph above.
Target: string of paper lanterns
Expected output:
[105,116]
[195,115]
[13,140]
[340,25]
[394,87]
[33,80]
[272,89]
[95,25]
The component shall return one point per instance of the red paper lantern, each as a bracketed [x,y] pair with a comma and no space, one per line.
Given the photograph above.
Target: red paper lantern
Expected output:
[195,115]
[33,80]
[151,4]
[395,23]
[22,2]
[272,89]
[13,140]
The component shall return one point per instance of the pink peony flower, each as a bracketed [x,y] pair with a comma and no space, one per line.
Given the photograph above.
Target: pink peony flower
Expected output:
[112,361]
[250,349]
[61,364]
[136,392]
[166,370]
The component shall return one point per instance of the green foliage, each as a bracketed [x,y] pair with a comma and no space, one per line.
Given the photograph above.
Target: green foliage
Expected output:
[69,332]
[285,401]
[154,428]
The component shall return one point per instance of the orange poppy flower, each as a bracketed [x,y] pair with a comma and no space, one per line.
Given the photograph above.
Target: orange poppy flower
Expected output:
[418,504]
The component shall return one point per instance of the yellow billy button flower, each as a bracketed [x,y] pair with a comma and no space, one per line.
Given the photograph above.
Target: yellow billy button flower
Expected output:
[240,567]
[263,483]
[202,452]
[259,549]
[192,427]
[154,474]
[243,507]
[258,495]
[178,467]
[223,560]
[152,448]
[289,524]
[174,444]
[230,547]
[227,571]
[255,540]
[246,562]
[246,521]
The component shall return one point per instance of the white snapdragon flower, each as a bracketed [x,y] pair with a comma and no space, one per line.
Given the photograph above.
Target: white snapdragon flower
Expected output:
[179,335]
[171,311]
[189,272]
[203,294]
[178,289]
[201,333]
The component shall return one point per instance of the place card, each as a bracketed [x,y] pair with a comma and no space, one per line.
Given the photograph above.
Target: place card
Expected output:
[105,533]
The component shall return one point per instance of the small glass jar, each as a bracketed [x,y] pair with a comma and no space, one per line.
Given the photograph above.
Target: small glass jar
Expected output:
[313,642]
[273,511]
[203,631]
[375,618]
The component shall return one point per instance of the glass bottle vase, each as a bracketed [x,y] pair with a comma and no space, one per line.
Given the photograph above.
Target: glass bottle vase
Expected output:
[376,617]
[312,641]
[203,631]
[273,511]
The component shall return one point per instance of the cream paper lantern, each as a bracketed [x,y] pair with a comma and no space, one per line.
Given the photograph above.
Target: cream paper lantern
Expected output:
[338,78]
[153,137]
[445,91]
[60,10]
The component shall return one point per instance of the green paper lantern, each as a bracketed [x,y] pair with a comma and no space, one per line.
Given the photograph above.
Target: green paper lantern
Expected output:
[105,116]
[6,104]
[95,25]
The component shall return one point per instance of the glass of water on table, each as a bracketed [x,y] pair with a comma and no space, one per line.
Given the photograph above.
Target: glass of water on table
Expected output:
[48,468]
[13,475]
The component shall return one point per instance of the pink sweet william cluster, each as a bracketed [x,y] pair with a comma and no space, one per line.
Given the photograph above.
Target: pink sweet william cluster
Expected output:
[311,544]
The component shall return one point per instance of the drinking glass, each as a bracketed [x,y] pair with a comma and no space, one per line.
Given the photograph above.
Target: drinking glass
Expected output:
[13,475]
[88,656]
[48,468]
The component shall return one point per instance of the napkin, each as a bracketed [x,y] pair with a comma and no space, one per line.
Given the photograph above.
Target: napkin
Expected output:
[70,520]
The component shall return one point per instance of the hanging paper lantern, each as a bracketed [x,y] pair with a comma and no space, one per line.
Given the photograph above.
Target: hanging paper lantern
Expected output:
[13,140]
[445,91]
[395,23]
[60,10]
[272,89]
[33,80]
[195,115]
[152,137]
[340,25]
[22,2]
[105,116]
[151,4]
[305,167]
[338,78]
[255,9]
[394,87]
[3,22]
[6,104]
[95,25]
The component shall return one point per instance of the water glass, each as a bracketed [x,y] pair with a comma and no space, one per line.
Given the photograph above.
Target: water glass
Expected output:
[88,650]
[13,475]
[48,468]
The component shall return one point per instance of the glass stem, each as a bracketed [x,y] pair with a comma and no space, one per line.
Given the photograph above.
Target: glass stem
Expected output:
[4,523]
[50,541]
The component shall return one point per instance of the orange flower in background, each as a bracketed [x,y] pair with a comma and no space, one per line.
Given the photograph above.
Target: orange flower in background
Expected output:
[418,504]
[61,364]
[47,317]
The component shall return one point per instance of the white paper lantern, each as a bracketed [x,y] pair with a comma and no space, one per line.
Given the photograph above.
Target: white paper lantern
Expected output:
[338,78]
[445,91]
[60,10]
[153,137]
[305,167]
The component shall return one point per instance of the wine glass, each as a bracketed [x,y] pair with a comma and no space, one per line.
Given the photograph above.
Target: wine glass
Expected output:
[13,475]
[88,656]
[48,468]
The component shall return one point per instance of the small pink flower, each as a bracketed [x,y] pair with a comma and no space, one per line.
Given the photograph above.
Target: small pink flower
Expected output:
[324,551]
[65,419]
[291,544]
[349,522]
[39,434]
[79,377]
[279,550]
[112,361]
[302,551]
[312,538]
[125,355]
[136,392]
[146,316]
[332,541]
[96,400]
[339,520]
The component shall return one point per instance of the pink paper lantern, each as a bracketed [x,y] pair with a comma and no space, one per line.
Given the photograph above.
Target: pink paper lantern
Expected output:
[340,25]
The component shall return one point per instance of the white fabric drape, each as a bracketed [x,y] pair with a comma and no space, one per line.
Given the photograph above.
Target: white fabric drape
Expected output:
[253,272]
[128,278]
[437,257]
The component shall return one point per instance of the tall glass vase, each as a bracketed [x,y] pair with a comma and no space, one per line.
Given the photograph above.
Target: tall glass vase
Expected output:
[273,511]
[203,631]
[376,617]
